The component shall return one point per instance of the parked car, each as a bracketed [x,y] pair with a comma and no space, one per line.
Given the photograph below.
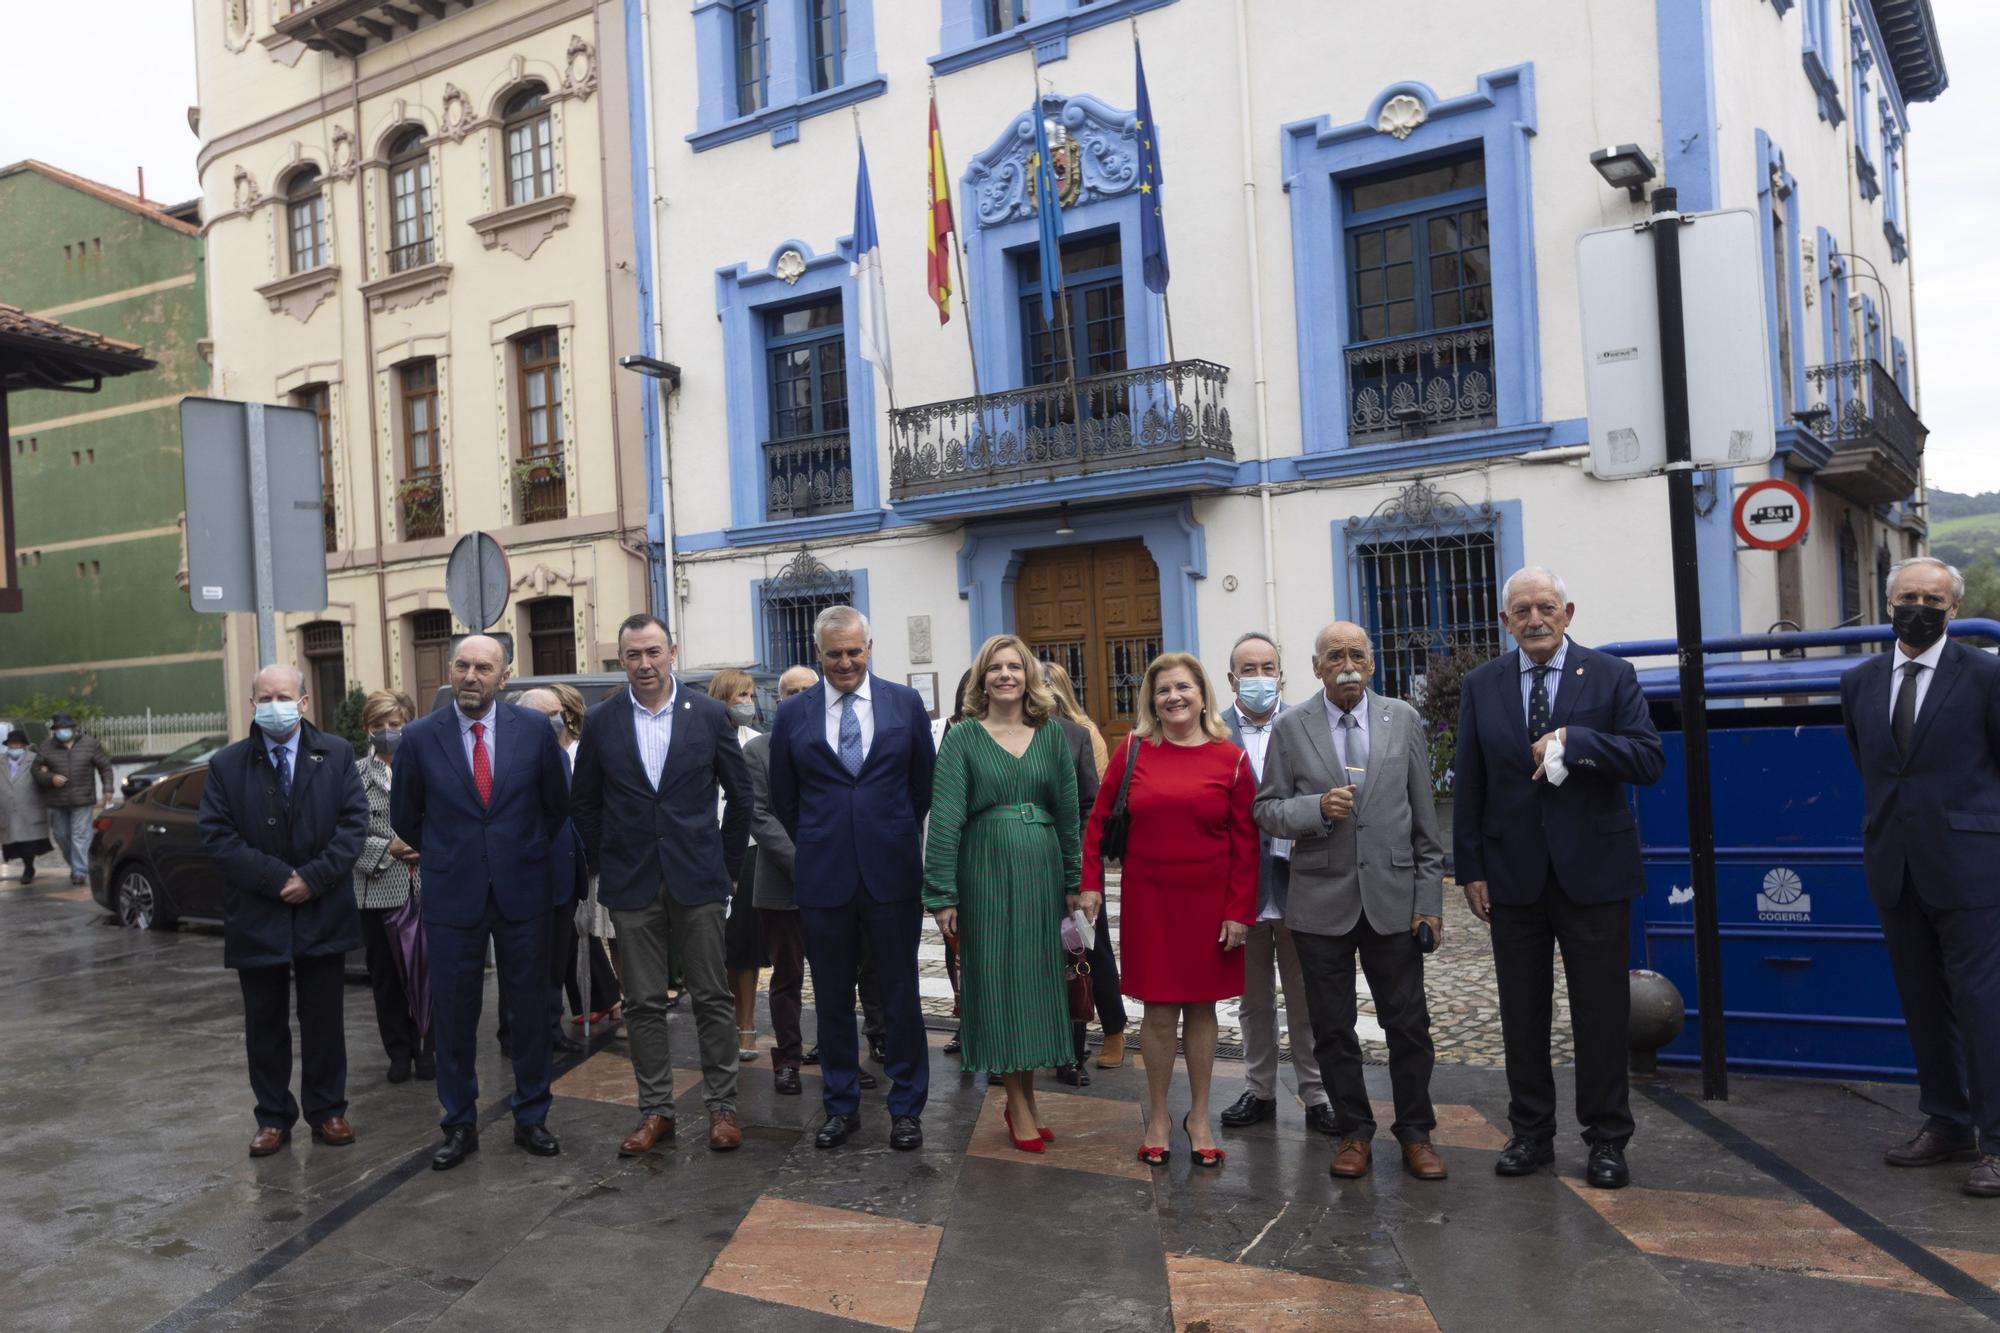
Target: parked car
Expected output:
[595,685]
[194,752]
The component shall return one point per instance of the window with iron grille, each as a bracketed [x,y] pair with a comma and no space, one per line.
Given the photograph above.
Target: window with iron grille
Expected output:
[792,602]
[753,57]
[305,219]
[410,237]
[1427,596]
[827,22]
[531,154]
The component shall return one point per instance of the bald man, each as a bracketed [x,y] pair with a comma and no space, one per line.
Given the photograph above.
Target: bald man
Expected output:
[482,792]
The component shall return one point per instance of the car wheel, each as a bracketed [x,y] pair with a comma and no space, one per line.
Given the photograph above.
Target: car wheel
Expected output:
[138,900]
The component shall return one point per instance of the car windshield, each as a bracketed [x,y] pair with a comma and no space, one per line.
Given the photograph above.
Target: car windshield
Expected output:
[194,750]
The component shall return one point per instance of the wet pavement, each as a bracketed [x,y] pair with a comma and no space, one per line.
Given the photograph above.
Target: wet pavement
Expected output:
[127,1201]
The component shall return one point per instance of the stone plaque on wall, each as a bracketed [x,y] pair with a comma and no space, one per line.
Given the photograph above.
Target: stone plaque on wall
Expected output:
[920,639]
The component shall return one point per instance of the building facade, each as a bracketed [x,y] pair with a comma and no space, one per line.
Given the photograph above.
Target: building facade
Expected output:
[1367,401]
[413,234]
[97,474]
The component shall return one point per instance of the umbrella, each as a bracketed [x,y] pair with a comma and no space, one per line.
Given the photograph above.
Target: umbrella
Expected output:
[405,929]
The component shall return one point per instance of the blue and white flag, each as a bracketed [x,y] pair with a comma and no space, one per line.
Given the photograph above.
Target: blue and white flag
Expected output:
[1048,215]
[1152,223]
[871,315]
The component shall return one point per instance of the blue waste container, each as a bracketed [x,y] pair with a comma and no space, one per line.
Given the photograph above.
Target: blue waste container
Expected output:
[1805,977]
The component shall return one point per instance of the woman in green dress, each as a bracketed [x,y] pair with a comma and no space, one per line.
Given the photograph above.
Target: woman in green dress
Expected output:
[1002,860]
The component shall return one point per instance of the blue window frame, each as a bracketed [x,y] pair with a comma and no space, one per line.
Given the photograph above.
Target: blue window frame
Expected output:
[753,57]
[808,462]
[763,66]
[1817,26]
[1861,62]
[1004,15]
[1094,294]
[826,24]
[1892,184]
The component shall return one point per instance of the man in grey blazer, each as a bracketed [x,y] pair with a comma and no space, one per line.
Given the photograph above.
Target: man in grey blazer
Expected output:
[1347,778]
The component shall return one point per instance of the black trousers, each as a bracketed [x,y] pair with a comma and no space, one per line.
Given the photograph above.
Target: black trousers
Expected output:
[787,947]
[392,1003]
[267,1039]
[1595,944]
[1394,966]
[1947,967]
[604,988]
[1103,988]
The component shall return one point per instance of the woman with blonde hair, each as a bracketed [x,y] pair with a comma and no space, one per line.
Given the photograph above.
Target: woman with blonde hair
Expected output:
[1057,676]
[1188,894]
[384,879]
[1000,863]
[743,935]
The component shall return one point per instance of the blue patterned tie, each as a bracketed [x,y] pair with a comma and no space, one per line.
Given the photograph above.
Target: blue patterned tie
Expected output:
[283,759]
[850,737]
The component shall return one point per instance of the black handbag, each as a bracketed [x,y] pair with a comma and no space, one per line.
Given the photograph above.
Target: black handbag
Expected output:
[1111,842]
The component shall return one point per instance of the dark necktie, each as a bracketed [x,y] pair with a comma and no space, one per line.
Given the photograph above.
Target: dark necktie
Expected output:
[850,737]
[1904,720]
[1538,705]
[281,759]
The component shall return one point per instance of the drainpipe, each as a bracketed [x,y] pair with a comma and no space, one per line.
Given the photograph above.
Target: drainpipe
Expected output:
[659,514]
[1260,382]
[368,377]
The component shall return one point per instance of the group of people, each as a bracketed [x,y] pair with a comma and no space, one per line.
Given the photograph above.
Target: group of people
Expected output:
[1258,845]
[49,793]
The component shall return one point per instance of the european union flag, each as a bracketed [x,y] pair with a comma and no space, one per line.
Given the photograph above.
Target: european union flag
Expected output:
[1048,214]
[1152,224]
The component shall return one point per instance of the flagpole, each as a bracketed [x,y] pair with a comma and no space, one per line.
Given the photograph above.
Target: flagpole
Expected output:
[888,384]
[964,288]
[1166,306]
[1062,290]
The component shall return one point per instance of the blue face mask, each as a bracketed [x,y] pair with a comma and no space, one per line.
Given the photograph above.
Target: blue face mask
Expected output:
[1258,694]
[64,734]
[278,717]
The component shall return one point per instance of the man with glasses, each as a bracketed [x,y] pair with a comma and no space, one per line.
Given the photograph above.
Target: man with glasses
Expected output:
[1549,735]
[1923,724]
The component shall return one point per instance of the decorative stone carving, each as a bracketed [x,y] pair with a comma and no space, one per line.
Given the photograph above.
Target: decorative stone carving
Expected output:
[541,578]
[343,155]
[1401,114]
[246,194]
[1808,262]
[791,266]
[523,227]
[1106,154]
[236,25]
[411,287]
[920,640]
[580,69]
[457,113]
[299,294]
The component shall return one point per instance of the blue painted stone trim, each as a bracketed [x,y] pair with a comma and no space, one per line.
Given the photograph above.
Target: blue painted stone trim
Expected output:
[805,529]
[1789,285]
[1357,531]
[1194,475]
[1815,20]
[783,121]
[1441,450]
[961,46]
[1806,451]
[789,98]
[990,560]
[760,635]
[1499,117]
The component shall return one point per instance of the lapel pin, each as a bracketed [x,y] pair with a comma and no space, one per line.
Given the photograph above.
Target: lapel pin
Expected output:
[1579,671]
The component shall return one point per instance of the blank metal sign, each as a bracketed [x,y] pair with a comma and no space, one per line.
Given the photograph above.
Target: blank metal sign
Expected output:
[215,467]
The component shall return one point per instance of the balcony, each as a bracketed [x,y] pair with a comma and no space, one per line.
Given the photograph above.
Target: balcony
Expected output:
[1877,442]
[327,518]
[808,476]
[420,505]
[540,491]
[1152,417]
[349,27]
[1437,383]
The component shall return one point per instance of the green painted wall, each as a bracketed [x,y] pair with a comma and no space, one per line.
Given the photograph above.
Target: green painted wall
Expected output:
[81,486]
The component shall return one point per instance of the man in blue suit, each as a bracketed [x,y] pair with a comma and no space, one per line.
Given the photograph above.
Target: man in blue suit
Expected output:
[481,792]
[1548,853]
[1923,723]
[851,762]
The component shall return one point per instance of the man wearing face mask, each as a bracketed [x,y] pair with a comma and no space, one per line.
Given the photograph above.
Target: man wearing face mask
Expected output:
[1923,723]
[283,814]
[68,767]
[24,824]
[1268,953]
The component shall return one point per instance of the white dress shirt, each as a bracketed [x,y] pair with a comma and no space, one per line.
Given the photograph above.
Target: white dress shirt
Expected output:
[654,731]
[864,712]
[487,738]
[1928,659]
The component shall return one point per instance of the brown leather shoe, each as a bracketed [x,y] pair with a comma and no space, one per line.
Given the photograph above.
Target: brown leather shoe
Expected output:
[267,1140]
[724,1134]
[1422,1161]
[652,1129]
[1112,1053]
[1984,1182]
[1351,1159]
[334,1132]
[1928,1149]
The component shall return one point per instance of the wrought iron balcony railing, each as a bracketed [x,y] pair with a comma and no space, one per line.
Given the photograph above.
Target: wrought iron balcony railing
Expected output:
[327,518]
[540,493]
[420,505]
[1876,436]
[1407,388]
[1143,417]
[807,476]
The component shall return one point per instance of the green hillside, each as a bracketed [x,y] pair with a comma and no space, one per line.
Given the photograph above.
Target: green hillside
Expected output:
[1964,540]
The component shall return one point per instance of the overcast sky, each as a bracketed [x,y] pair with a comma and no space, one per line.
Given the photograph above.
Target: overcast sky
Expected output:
[124,105]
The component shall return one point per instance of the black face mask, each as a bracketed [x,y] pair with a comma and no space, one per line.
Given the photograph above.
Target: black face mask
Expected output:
[1917,625]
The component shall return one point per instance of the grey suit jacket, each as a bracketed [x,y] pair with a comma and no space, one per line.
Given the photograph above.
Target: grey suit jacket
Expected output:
[1385,860]
[771,886]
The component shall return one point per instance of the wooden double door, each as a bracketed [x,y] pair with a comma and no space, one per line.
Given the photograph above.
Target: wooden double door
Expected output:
[1095,610]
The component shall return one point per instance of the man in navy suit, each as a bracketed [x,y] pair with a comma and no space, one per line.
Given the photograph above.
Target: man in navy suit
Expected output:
[851,762]
[1924,725]
[481,793]
[1548,853]
[648,769]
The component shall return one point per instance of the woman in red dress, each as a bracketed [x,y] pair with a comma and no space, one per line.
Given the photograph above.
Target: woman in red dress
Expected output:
[1189,893]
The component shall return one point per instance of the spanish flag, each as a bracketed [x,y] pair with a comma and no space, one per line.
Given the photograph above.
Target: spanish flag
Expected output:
[939,275]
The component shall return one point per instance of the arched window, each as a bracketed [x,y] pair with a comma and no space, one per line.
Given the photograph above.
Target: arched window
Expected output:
[410,237]
[305,219]
[531,154]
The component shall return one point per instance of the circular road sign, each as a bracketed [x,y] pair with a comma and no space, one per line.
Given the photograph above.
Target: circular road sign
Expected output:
[1772,515]
[477,581]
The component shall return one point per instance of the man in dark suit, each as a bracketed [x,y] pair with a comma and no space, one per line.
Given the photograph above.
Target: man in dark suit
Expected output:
[481,793]
[1924,725]
[1548,852]
[1269,956]
[851,763]
[777,909]
[283,813]
[647,772]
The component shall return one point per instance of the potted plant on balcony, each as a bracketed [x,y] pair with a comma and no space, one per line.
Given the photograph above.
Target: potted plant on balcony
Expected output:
[420,500]
[1436,700]
[538,487]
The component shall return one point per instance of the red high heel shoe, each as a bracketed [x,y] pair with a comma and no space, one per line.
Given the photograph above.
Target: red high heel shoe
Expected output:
[1204,1156]
[1152,1156]
[1025,1145]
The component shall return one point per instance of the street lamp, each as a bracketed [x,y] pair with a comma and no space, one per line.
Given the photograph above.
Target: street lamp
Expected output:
[659,459]
[1624,167]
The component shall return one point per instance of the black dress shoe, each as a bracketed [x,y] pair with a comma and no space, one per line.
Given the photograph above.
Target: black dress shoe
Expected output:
[868,1081]
[877,1051]
[427,1068]
[837,1130]
[785,1082]
[1320,1117]
[1249,1109]
[399,1069]
[537,1140]
[1607,1170]
[955,1045]
[1522,1157]
[460,1142]
[906,1133]
[1074,1075]
[811,1057]
[563,1043]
